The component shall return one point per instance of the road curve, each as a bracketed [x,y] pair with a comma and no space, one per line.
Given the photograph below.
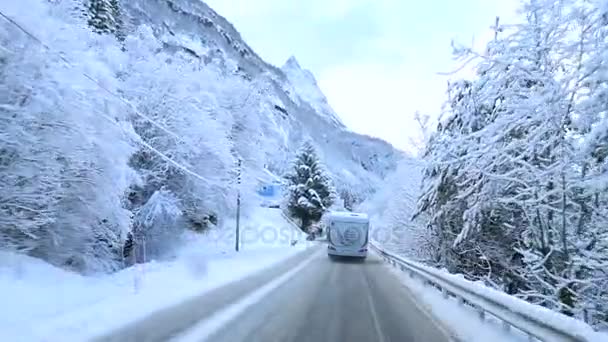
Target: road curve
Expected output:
[335,300]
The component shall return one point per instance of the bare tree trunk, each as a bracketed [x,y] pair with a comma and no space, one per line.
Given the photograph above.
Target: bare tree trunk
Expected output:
[564,221]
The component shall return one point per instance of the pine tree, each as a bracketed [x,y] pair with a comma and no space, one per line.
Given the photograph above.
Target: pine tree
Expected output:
[311,191]
[104,16]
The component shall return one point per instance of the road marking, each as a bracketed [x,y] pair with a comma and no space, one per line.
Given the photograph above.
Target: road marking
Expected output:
[370,301]
[205,329]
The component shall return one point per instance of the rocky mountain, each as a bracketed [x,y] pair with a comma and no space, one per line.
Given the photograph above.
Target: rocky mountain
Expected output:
[307,91]
[298,108]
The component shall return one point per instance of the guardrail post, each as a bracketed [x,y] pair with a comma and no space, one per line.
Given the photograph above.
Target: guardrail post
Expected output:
[506,326]
[445,292]
[460,300]
[482,314]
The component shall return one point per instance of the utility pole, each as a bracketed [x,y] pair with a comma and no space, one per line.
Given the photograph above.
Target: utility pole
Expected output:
[238,203]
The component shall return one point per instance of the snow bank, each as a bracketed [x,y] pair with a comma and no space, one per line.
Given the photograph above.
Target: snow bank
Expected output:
[41,302]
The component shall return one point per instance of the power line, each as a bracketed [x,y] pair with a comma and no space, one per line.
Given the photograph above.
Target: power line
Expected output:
[89,77]
[125,101]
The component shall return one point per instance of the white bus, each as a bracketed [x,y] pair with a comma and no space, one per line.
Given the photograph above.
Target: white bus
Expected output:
[347,234]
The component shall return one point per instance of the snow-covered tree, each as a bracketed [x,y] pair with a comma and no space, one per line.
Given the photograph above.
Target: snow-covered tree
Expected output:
[392,208]
[187,129]
[591,123]
[419,142]
[447,172]
[104,16]
[62,182]
[158,228]
[310,190]
[506,187]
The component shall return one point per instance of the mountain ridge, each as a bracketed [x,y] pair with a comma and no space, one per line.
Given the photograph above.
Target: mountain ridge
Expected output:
[148,119]
[299,109]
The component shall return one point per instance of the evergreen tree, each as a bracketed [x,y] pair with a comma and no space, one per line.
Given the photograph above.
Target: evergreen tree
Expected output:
[104,16]
[310,191]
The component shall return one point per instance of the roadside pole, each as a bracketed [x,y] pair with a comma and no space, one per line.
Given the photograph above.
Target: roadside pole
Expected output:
[238,204]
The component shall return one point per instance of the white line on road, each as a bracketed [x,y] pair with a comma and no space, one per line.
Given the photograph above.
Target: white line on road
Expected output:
[372,307]
[208,327]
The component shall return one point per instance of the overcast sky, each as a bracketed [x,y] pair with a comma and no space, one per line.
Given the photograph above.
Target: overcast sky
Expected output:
[376,60]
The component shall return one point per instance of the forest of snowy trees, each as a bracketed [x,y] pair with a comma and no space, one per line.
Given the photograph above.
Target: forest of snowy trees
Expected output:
[92,169]
[515,189]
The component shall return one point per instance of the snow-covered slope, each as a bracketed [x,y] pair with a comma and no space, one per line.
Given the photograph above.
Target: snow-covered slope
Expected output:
[149,104]
[291,108]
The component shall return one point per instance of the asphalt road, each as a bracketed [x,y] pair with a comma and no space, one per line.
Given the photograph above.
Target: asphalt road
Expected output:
[335,300]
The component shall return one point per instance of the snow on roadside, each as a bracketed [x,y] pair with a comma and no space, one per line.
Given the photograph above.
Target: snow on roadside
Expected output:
[44,303]
[462,321]
[269,228]
[465,320]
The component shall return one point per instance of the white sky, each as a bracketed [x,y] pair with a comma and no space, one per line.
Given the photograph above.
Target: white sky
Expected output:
[376,60]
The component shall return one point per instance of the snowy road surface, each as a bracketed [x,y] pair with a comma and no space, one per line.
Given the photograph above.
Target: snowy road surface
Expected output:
[326,300]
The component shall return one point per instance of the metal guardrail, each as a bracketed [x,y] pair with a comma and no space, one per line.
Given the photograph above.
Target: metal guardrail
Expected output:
[531,324]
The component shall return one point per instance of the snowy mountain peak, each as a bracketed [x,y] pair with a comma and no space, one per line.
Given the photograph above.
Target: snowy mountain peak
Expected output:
[308,90]
[292,63]
[293,68]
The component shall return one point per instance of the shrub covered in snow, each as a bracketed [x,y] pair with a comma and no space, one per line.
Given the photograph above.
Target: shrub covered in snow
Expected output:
[158,226]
